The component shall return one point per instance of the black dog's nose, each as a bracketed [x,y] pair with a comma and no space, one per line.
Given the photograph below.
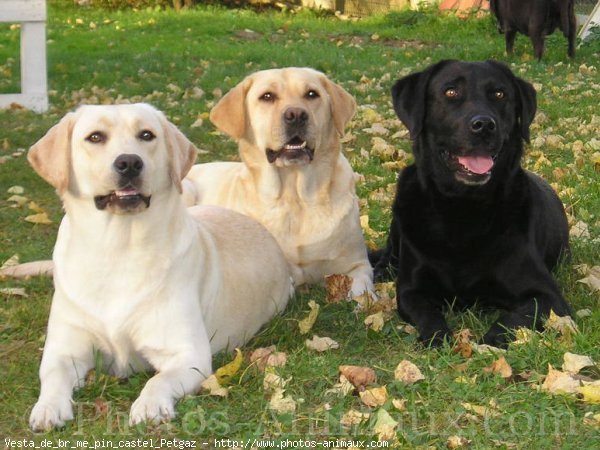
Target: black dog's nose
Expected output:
[128,165]
[481,124]
[295,116]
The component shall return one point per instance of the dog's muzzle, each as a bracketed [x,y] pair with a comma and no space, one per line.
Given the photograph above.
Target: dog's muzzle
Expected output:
[295,152]
[127,198]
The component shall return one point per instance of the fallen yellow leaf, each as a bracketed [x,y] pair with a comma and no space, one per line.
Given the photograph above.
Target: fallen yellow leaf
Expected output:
[590,393]
[562,324]
[483,411]
[211,384]
[373,397]
[307,323]
[375,321]
[226,372]
[39,219]
[385,425]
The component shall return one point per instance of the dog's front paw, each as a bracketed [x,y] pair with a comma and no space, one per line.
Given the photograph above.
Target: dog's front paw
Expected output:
[497,337]
[46,415]
[151,409]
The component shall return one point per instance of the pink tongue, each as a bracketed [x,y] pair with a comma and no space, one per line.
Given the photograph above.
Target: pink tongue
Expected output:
[476,164]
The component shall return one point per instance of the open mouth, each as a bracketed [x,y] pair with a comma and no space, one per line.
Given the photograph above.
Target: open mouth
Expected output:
[127,198]
[295,152]
[470,169]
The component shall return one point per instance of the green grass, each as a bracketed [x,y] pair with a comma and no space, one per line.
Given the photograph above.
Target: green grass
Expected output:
[158,56]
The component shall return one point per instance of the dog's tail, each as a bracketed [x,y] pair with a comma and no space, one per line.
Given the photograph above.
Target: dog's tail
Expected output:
[30,269]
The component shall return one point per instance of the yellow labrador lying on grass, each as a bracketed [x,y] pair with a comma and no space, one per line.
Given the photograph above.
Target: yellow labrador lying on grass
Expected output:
[293,177]
[138,277]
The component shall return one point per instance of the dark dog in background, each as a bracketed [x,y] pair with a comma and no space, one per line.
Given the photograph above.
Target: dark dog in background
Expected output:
[469,224]
[536,19]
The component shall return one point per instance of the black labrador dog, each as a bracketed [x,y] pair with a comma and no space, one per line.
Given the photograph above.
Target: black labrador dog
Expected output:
[469,223]
[536,19]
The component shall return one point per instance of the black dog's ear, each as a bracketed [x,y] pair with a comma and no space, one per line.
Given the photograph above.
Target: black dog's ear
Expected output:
[528,105]
[526,101]
[409,97]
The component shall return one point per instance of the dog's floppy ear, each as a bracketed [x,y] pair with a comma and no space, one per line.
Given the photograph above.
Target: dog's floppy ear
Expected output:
[526,98]
[229,114]
[528,105]
[409,97]
[50,157]
[182,153]
[343,105]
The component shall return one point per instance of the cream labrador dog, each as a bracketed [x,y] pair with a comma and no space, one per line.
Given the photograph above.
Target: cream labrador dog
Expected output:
[137,276]
[293,177]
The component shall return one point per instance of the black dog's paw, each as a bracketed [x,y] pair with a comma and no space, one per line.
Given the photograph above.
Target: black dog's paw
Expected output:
[435,339]
[498,337]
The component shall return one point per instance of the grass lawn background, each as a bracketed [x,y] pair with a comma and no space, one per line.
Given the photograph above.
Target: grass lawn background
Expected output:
[165,58]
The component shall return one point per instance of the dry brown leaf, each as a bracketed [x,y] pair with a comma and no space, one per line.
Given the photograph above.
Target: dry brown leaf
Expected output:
[307,323]
[341,389]
[10,262]
[591,419]
[18,200]
[457,442]
[35,208]
[407,372]
[18,190]
[39,219]
[483,411]
[399,404]
[17,292]
[359,376]
[267,357]
[211,384]
[280,403]
[337,288]
[321,344]
[463,343]
[500,367]
[562,324]
[374,397]
[557,382]
[375,321]
[272,381]
[354,417]
[592,276]
[574,363]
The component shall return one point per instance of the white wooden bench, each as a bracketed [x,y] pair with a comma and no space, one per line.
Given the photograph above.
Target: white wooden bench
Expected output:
[31,14]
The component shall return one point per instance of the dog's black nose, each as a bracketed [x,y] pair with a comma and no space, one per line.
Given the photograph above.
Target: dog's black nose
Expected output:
[295,116]
[128,165]
[481,124]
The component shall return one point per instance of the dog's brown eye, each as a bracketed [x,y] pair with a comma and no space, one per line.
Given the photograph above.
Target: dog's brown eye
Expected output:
[312,94]
[499,95]
[97,137]
[268,97]
[451,93]
[146,135]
